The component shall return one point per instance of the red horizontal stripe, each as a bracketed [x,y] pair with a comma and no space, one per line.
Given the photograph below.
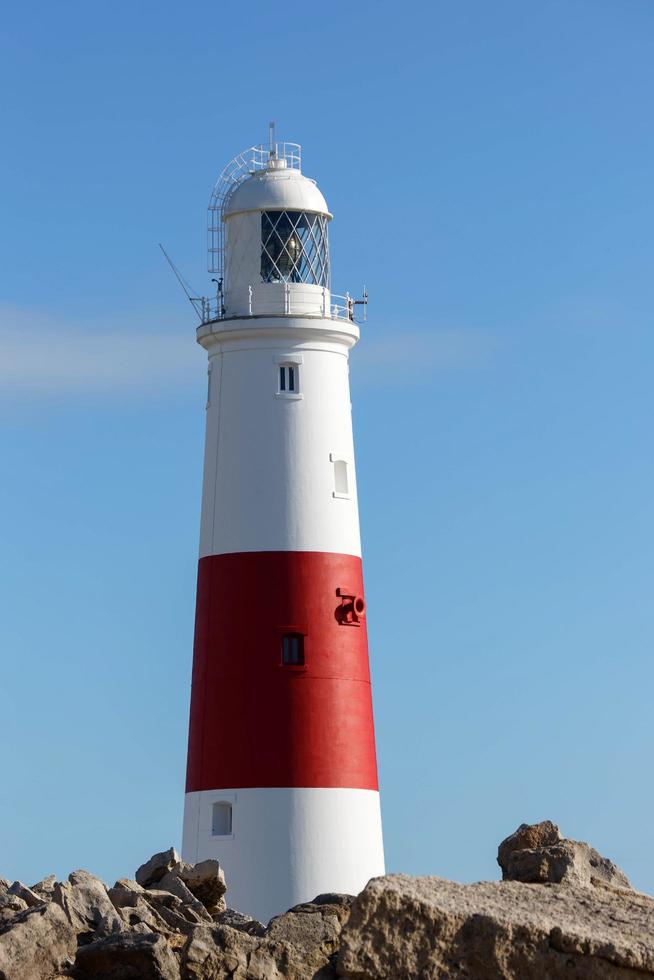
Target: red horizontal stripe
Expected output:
[255,722]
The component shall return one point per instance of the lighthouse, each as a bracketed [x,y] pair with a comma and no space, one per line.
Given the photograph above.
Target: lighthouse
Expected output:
[281,778]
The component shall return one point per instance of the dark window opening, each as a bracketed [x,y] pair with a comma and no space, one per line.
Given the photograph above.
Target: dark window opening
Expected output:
[293,649]
[287,378]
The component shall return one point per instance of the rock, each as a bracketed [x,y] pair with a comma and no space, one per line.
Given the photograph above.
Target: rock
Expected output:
[555,859]
[129,956]
[171,882]
[142,914]
[159,864]
[125,893]
[86,903]
[304,941]
[528,836]
[206,881]
[430,929]
[213,952]
[36,944]
[4,884]
[22,891]
[244,923]
[45,887]
[173,909]
[10,906]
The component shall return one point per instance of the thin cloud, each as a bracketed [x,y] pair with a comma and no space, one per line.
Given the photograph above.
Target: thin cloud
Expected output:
[46,355]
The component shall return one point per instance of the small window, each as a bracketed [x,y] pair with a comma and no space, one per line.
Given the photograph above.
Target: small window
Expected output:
[340,477]
[288,378]
[221,825]
[293,649]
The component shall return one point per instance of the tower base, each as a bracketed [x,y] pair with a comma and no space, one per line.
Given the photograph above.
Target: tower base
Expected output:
[281,847]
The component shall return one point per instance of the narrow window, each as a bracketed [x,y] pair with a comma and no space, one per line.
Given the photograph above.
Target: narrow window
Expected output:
[221,824]
[293,649]
[340,476]
[289,379]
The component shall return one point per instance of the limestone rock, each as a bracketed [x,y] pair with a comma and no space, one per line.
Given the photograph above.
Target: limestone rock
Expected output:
[125,893]
[129,956]
[213,952]
[159,864]
[206,881]
[45,887]
[36,944]
[433,929]
[4,884]
[171,882]
[140,914]
[244,923]
[22,891]
[85,901]
[10,906]
[537,853]
[528,836]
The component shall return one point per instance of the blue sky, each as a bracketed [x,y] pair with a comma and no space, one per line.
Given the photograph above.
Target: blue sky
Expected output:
[489,168]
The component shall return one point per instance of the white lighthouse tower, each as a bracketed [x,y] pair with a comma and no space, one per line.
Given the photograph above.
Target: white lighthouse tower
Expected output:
[282,776]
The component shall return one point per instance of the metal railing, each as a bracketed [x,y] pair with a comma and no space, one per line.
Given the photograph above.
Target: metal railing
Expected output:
[333,306]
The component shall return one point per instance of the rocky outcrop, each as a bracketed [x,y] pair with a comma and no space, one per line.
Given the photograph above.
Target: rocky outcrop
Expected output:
[563,911]
[536,853]
[429,928]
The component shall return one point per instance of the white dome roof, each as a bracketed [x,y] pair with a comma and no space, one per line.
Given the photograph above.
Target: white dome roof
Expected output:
[275,190]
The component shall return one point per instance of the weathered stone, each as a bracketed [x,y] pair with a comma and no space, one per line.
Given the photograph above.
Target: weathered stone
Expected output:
[125,893]
[172,908]
[244,923]
[216,952]
[4,884]
[159,864]
[604,870]
[10,906]
[129,956]
[45,887]
[171,882]
[36,944]
[142,913]
[528,836]
[206,881]
[85,901]
[433,929]
[22,891]
[302,942]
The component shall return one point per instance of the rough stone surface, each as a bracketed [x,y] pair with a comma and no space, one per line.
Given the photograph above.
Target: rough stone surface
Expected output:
[159,864]
[4,884]
[22,891]
[433,929]
[45,887]
[213,952]
[527,837]
[86,903]
[172,883]
[244,923]
[125,892]
[206,881]
[536,853]
[36,944]
[130,956]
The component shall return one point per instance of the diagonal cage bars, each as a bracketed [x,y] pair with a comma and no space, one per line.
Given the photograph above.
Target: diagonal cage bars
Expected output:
[294,247]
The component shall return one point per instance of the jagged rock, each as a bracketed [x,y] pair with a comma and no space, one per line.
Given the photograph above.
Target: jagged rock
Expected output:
[125,893]
[537,853]
[528,836]
[141,913]
[36,944]
[10,906]
[244,923]
[22,891]
[304,941]
[171,882]
[165,902]
[159,864]
[213,952]
[433,929]
[206,881]
[86,903]
[4,884]
[129,956]
[45,887]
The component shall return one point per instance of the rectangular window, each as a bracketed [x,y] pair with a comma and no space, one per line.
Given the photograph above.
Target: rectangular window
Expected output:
[340,477]
[221,824]
[293,649]
[288,379]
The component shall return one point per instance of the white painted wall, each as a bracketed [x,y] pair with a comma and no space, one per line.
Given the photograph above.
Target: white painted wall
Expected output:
[288,845]
[269,473]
